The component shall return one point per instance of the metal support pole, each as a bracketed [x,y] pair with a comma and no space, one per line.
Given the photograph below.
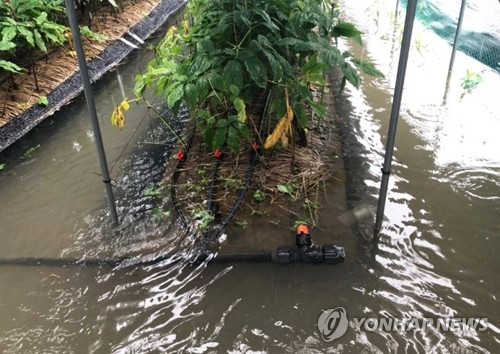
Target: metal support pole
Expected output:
[73,22]
[396,105]
[455,46]
[457,35]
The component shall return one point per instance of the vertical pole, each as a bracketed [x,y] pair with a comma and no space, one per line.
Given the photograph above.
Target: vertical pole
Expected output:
[73,22]
[457,35]
[396,105]
[454,50]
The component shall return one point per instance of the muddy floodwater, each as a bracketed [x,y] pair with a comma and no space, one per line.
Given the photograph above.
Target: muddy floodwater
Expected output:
[437,256]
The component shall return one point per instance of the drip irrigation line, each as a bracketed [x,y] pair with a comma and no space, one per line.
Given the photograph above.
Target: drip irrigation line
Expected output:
[253,158]
[175,175]
[252,257]
[210,203]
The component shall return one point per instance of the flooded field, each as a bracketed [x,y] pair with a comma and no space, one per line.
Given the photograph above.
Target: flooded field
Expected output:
[436,256]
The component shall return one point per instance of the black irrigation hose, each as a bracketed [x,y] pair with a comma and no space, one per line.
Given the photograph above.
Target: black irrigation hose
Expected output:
[256,257]
[237,204]
[253,159]
[175,175]
[210,202]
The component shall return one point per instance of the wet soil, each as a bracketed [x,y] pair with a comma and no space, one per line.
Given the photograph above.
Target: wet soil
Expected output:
[267,216]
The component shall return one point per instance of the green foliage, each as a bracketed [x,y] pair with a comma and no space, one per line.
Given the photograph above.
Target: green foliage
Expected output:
[87,32]
[204,218]
[31,23]
[30,151]
[259,196]
[160,215]
[237,49]
[470,81]
[2,166]
[43,101]
[241,223]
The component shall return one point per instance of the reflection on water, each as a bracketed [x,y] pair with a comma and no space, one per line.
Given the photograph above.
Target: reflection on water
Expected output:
[437,256]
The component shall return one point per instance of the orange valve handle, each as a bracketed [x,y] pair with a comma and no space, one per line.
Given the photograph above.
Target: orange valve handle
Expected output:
[302,229]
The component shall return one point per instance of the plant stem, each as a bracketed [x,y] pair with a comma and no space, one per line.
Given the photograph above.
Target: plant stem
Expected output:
[167,124]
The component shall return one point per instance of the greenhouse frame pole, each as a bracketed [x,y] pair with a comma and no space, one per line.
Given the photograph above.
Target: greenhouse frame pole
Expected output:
[89,97]
[396,105]
[457,35]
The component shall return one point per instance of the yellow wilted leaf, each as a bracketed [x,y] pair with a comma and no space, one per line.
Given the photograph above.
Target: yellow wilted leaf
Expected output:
[185,26]
[117,118]
[125,105]
[283,129]
[284,140]
[171,30]
[278,131]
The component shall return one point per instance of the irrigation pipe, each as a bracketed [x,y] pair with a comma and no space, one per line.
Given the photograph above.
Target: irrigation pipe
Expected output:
[237,204]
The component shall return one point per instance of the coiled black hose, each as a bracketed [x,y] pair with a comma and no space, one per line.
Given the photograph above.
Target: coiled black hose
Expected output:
[210,205]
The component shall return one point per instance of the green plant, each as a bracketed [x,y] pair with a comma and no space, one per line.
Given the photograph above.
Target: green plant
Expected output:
[87,32]
[30,151]
[236,49]
[153,191]
[241,223]
[259,196]
[300,221]
[2,166]
[43,101]
[470,81]
[160,215]
[204,218]
[288,189]
[30,24]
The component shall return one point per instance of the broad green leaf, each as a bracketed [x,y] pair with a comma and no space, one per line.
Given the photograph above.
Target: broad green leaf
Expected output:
[347,29]
[27,34]
[257,71]
[207,45]
[175,95]
[285,188]
[234,90]
[39,41]
[244,132]
[367,67]
[208,135]
[233,74]
[8,33]
[219,138]
[5,46]
[221,123]
[233,139]
[190,95]
[276,68]
[351,75]
[41,18]
[9,66]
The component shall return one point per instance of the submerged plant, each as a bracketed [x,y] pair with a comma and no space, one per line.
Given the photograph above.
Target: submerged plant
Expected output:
[204,218]
[233,51]
[470,81]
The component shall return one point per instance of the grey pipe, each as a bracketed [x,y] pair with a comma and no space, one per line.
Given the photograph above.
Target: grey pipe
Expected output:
[396,105]
[89,97]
